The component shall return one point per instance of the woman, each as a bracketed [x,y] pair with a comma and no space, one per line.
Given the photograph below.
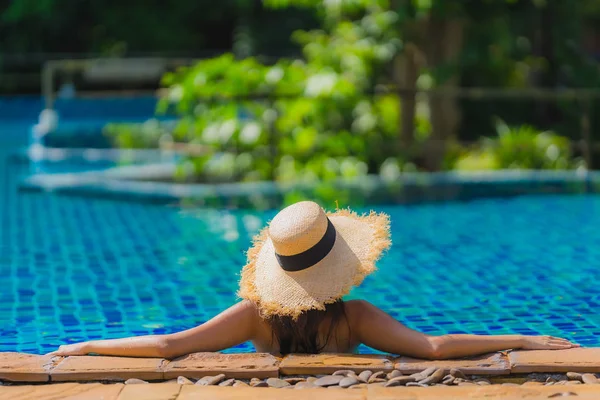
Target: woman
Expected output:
[298,270]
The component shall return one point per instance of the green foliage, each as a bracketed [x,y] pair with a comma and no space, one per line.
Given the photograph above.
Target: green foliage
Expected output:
[315,118]
[310,119]
[137,136]
[477,160]
[522,147]
[525,147]
[526,43]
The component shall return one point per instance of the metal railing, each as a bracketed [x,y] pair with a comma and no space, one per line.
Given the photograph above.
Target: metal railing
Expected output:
[161,65]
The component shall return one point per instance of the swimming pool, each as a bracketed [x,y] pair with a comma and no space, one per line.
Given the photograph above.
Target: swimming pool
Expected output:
[77,268]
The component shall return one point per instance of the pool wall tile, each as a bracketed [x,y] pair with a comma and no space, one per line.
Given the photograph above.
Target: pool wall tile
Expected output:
[239,366]
[89,368]
[410,188]
[20,367]
[570,360]
[487,364]
[300,364]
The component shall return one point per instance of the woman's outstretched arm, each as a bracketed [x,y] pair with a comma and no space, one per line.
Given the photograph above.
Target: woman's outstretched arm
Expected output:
[230,328]
[378,330]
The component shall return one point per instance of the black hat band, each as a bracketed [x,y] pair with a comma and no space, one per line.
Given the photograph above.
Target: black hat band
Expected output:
[310,257]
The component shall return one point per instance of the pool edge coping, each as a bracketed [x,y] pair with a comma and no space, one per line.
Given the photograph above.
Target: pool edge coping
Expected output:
[30,368]
[134,183]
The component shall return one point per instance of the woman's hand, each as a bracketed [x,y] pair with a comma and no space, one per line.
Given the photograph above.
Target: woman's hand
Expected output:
[76,349]
[545,343]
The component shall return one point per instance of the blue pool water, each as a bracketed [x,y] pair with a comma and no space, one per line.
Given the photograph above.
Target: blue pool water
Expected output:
[76,269]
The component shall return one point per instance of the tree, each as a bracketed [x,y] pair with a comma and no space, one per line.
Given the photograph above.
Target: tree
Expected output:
[114,27]
[332,115]
[319,118]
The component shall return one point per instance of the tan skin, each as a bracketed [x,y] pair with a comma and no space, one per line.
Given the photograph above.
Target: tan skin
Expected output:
[242,323]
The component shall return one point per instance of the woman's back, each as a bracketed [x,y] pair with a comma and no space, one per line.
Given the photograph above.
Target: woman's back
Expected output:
[328,331]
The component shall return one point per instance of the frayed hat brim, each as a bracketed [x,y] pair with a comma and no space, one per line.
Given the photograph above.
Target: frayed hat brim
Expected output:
[362,241]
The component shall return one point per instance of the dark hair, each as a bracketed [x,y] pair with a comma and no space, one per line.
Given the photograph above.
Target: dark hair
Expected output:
[302,335]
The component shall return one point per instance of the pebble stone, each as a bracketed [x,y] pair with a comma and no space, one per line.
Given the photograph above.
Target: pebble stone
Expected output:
[255,382]
[304,385]
[435,377]
[400,380]
[448,380]
[457,373]
[294,380]
[277,383]
[348,381]
[590,379]
[419,376]
[344,372]
[415,384]
[134,381]
[376,375]
[364,376]
[329,380]
[182,380]
[392,383]
[575,376]
[211,380]
[394,374]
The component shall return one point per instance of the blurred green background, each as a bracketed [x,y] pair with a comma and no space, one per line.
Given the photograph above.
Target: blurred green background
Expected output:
[312,91]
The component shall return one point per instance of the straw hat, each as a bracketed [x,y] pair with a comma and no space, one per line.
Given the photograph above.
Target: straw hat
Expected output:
[307,258]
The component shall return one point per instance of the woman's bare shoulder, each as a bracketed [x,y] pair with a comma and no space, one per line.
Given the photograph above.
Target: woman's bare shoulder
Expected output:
[247,306]
[251,309]
[359,306]
[358,309]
